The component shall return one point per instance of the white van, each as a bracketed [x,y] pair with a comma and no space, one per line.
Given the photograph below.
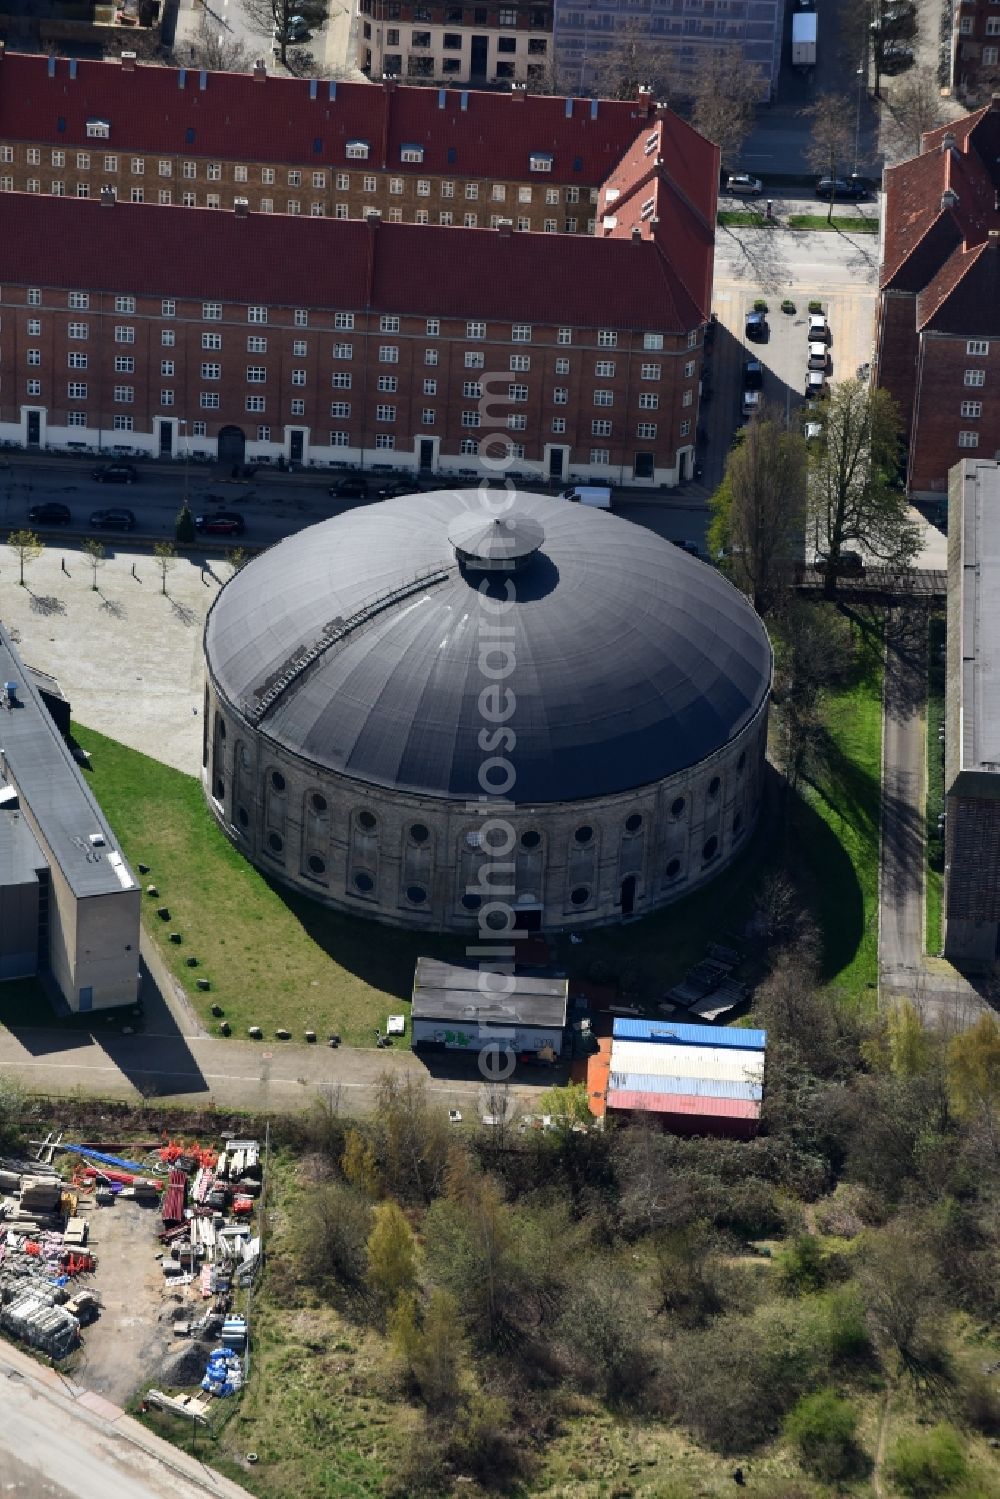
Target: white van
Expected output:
[598,495]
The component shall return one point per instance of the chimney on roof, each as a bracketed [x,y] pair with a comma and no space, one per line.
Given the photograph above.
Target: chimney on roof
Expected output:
[108,197]
[504,228]
[128,62]
[517,91]
[947,142]
[260,71]
[373,217]
[388,82]
[3,48]
[51,68]
[241,207]
[949,199]
[636,234]
[995,102]
[994,239]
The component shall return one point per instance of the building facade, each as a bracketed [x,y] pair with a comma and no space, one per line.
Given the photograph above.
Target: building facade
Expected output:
[595,40]
[972,722]
[938,326]
[509,42]
[975,71]
[74,128]
[227,335]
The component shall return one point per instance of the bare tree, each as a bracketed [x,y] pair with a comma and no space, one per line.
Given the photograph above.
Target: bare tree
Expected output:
[166,555]
[913,109]
[811,650]
[94,551]
[761,507]
[854,495]
[218,52]
[633,60]
[272,18]
[725,93]
[27,546]
[830,137]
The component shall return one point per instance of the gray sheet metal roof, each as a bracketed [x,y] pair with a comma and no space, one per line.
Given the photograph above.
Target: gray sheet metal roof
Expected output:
[20,856]
[978,576]
[50,786]
[632,659]
[443,991]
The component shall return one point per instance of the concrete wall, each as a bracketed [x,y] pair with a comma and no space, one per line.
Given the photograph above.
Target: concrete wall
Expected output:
[107,948]
[413,860]
[19,930]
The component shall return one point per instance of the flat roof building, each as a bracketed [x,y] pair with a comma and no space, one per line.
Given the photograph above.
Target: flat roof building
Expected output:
[972,723]
[694,1079]
[67,894]
[466,1009]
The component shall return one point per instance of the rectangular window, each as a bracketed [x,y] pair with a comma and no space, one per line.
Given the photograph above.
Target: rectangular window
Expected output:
[267,205]
[83,161]
[343,351]
[256,403]
[298,377]
[388,354]
[199,429]
[474,360]
[255,344]
[267,176]
[343,320]
[975,377]
[83,189]
[600,455]
[652,340]
[385,413]
[163,195]
[34,327]
[607,338]
[475,330]
[124,364]
[388,384]
[341,380]
[430,356]
[977,346]
[76,418]
[446,217]
[340,408]
[559,424]
[560,396]
[600,428]
[653,371]
[385,440]
[433,327]
[58,189]
[972,408]
[428,416]
[211,372]
[166,169]
[256,373]
[562,366]
[357,151]
[256,314]
[34,387]
[263,434]
[319,179]
[211,340]
[340,440]
[189,170]
[59,158]
[520,363]
[124,335]
[168,307]
[968,439]
[78,330]
[300,317]
[79,300]
[138,165]
[517,393]
[692,339]
[646,429]
[388,323]
[76,390]
[520,333]
[299,348]
[76,361]
[685,428]
[517,422]
[468,446]
[122,423]
[137,195]
[604,398]
[168,337]
[470,418]
[294,178]
[212,200]
[211,312]
[470,220]
[34,358]
[317,210]
[343,182]
[688,398]
[369,185]
[124,395]
[167,368]
[604,369]
[649,402]
[430,387]
[472,390]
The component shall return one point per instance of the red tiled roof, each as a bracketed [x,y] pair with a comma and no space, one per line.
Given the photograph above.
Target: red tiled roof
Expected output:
[279,260]
[235,116]
[964,297]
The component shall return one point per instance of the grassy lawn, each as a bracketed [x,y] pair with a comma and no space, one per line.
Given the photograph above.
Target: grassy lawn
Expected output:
[840,226]
[841,848]
[272,958]
[935,782]
[745,218]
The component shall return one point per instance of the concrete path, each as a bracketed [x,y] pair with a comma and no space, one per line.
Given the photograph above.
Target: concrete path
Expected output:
[60,1441]
[943,996]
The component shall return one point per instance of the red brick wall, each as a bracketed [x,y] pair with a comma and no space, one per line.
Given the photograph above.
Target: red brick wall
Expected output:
[897,347]
[944,361]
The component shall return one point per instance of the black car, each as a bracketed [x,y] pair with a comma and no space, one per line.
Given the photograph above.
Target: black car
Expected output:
[896,57]
[350,489]
[756,328]
[397,487]
[113,520]
[50,514]
[223,523]
[753,375]
[116,473]
[841,187]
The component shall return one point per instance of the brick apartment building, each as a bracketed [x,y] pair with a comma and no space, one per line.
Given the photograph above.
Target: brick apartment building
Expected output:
[938,328]
[260,335]
[323,149]
[503,41]
[975,57]
[972,733]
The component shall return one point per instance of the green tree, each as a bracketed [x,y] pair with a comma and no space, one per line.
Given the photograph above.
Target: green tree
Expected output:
[437,1366]
[94,552]
[392,1254]
[184,529]
[332,1236]
[725,93]
[823,1428]
[237,557]
[165,553]
[13,1112]
[929,1462]
[854,496]
[358,1163]
[830,136]
[567,1105]
[27,547]
[974,1066]
[760,507]
[812,650]
[911,1046]
[412,1139]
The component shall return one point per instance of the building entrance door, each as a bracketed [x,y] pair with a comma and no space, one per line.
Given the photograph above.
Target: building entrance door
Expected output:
[479,60]
[643,468]
[34,429]
[296,446]
[628,895]
[426,455]
[556,463]
[166,439]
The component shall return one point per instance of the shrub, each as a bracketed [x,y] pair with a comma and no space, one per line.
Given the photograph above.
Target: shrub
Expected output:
[929,1462]
[823,1427]
[788,305]
[801,1267]
[815,306]
[760,305]
[841,1326]
[184,527]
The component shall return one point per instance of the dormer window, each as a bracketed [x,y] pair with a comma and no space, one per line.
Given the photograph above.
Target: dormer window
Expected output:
[411,153]
[648,209]
[652,141]
[99,129]
[540,161]
[357,150]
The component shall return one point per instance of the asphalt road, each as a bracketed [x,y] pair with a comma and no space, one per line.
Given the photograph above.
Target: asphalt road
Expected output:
[901,926]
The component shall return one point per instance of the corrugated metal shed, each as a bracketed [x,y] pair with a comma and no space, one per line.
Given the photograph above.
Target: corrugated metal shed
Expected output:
[630,1028]
[699,1087]
[684,1103]
[687,1061]
[446,992]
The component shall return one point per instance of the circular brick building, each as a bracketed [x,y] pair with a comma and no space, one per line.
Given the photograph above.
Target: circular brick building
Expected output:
[431,705]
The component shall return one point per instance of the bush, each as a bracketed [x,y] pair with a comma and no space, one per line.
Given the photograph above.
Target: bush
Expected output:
[929,1462]
[184,527]
[823,1427]
[840,1326]
[801,1267]
[332,1236]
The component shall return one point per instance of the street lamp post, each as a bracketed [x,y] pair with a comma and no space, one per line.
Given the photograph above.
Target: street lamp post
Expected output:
[183,422]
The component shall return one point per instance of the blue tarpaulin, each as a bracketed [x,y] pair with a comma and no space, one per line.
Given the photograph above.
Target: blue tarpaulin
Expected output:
[108,1160]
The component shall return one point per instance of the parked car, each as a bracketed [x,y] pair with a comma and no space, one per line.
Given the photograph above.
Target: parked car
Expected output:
[744,186]
[812,431]
[896,22]
[751,402]
[397,487]
[816,386]
[819,356]
[296,30]
[865,371]
[113,520]
[819,328]
[222,523]
[896,57]
[753,375]
[116,473]
[841,187]
[50,513]
[850,564]
[355,488]
[756,327]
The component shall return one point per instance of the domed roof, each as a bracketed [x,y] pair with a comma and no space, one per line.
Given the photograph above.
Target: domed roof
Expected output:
[365,644]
